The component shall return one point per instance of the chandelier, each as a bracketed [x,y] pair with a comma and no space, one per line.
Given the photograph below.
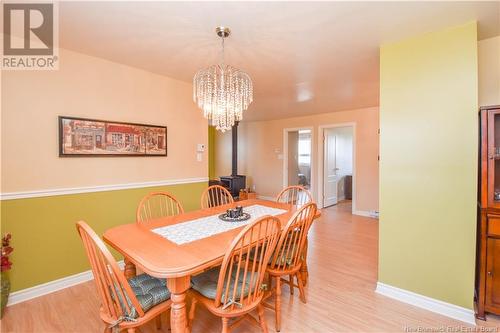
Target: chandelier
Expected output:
[222,91]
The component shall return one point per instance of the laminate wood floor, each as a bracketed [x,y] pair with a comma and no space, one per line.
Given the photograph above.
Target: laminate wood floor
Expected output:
[342,261]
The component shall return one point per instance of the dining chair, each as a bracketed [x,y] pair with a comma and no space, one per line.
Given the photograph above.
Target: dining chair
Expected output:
[295,195]
[214,196]
[157,205]
[125,304]
[287,259]
[236,288]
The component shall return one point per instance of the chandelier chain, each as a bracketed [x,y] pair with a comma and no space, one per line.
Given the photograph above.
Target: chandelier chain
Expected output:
[222,55]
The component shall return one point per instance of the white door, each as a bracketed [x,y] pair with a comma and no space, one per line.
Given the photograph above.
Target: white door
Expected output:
[330,169]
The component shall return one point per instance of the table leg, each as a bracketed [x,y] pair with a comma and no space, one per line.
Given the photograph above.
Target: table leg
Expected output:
[303,270]
[178,318]
[129,270]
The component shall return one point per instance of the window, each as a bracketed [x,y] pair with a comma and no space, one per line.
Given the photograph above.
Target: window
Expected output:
[304,148]
[85,140]
[116,138]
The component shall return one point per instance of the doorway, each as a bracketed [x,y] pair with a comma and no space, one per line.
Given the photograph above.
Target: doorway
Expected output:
[98,141]
[337,144]
[297,157]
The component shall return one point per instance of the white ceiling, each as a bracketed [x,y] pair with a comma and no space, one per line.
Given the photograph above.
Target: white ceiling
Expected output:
[304,57]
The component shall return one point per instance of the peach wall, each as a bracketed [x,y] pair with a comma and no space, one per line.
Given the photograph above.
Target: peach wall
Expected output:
[489,71]
[261,144]
[90,87]
[223,144]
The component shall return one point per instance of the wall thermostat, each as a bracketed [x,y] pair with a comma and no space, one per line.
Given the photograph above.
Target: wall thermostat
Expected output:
[200,147]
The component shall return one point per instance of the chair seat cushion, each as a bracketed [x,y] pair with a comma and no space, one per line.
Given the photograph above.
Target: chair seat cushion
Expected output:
[206,283]
[149,290]
[284,259]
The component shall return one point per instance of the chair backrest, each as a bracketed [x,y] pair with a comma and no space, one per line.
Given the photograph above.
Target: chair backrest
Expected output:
[214,196]
[240,280]
[118,299]
[157,205]
[295,195]
[290,247]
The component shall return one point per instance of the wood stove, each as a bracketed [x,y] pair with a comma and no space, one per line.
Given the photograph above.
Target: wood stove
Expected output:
[234,183]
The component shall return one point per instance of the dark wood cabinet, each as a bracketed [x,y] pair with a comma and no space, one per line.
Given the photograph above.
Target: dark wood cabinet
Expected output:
[487,293]
[493,275]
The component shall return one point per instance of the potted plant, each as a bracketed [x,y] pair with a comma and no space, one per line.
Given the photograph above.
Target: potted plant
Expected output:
[6,265]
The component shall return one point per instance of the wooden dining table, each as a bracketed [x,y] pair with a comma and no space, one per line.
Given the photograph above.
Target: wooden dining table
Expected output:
[162,258]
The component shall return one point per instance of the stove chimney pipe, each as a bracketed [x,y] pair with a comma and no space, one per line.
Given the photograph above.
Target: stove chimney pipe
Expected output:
[234,132]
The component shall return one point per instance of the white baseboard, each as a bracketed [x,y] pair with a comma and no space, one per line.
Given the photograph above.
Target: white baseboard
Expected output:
[427,303]
[365,213]
[361,213]
[52,286]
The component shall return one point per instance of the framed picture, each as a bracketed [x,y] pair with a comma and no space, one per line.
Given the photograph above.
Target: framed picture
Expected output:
[91,137]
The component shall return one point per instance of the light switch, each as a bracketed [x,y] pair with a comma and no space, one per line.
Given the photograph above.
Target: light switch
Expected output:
[199,157]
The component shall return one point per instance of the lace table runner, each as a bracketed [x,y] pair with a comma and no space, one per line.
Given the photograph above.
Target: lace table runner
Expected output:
[193,230]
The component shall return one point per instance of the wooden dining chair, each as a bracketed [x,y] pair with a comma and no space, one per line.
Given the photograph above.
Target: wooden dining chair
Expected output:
[236,288]
[295,195]
[214,196]
[125,304]
[157,205]
[288,258]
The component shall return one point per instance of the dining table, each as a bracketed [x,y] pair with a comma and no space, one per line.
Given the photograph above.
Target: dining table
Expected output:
[178,247]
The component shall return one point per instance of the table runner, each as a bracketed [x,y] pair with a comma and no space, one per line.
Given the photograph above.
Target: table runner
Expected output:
[193,230]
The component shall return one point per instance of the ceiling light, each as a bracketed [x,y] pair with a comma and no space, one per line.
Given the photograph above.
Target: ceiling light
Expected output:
[221,91]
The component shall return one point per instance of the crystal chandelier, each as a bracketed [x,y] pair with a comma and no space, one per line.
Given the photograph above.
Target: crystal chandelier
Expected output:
[221,91]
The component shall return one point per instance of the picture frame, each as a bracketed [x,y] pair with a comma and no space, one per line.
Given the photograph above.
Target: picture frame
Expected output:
[84,137]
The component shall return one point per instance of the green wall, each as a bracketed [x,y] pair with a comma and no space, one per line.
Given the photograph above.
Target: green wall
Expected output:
[44,237]
[428,164]
[211,152]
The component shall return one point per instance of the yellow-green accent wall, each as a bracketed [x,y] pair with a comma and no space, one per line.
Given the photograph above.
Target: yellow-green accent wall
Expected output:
[428,164]
[44,237]
[211,152]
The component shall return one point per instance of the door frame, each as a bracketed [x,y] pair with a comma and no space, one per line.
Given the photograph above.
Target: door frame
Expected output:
[285,155]
[321,162]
